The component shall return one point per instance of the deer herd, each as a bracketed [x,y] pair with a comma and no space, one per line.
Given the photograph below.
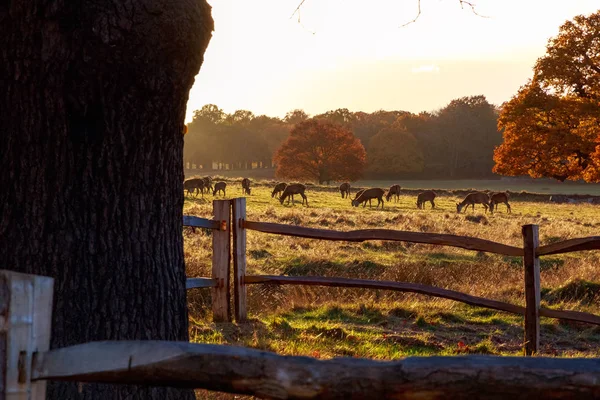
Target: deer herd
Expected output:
[195,186]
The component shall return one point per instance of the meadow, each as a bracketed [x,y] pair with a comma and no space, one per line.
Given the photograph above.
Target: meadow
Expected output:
[376,324]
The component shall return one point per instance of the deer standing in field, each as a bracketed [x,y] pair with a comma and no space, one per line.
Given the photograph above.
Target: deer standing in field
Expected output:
[394,191]
[207,183]
[428,195]
[369,194]
[219,187]
[497,198]
[474,198]
[246,186]
[291,190]
[194,185]
[345,190]
[279,188]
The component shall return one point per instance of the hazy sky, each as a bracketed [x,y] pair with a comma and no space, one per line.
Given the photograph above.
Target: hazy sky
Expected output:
[354,53]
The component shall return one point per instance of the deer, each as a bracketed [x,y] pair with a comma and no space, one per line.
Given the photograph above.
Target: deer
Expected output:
[474,198]
[246,186]
[345,190]
[394,191]
[194,185]
[497,198]
[219,186]
[279,188]
[428,195]
[369,194]
[207,183]
[291,190]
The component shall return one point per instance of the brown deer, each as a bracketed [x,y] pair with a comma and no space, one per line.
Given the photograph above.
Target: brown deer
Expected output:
[291,190]
[279,188]
[394,191]
[345,190]
[246,186]
[194,185]
[207,183]
[497,198]
[368,195]
[219,187]
[428,195]
[474,198]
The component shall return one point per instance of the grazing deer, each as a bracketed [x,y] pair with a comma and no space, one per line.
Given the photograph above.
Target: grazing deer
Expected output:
[207,183]
[394,191]
[474,198]
[423,197]
[194,185]
[497,198]
[246,186]
[369,194]
[219,186]
[291,190]
[345,190]
[280,187]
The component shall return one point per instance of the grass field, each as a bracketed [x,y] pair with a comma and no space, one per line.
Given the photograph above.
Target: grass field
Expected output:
[333,322]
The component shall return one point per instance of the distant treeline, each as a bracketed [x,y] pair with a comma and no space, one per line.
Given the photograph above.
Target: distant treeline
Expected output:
[455,142]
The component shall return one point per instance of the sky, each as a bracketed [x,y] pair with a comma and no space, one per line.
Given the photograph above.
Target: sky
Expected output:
[357,54]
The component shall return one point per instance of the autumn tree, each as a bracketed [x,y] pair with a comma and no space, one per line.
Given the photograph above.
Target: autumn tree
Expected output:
[320,151]
[552,125]
[92,104]
[394,150]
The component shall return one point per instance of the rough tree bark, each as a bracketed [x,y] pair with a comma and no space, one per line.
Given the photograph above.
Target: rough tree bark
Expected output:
[92,103]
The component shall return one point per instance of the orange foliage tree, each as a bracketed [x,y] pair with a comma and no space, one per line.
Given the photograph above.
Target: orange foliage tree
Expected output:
[320,151]
[552,125]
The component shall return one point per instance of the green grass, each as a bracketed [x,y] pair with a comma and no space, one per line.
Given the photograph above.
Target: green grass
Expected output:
[377,324]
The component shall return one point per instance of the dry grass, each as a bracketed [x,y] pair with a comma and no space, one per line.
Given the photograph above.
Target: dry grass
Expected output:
[327,322]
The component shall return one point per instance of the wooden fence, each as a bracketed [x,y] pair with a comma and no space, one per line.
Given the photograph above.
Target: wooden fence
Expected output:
[26,363]
[530,253]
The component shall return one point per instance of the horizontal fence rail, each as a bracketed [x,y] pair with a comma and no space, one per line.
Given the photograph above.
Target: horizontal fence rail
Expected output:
[197,222]
[264,374]
[571,245]
[465,242]
[193,283]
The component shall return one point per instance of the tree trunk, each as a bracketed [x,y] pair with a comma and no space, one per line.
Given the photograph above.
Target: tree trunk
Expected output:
[92,104]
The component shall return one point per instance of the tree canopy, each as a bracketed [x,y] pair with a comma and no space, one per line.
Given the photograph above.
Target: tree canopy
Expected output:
[320,151]
[395,150]
[552,125]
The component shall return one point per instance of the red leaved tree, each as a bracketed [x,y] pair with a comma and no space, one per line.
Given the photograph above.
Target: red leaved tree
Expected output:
[320,151]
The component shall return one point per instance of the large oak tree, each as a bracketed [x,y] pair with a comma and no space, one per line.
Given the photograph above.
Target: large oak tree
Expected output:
[92,103]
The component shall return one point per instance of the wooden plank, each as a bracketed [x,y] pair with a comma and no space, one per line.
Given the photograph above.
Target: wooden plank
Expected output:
[189,220]
[267,375]
[221,260]
[387,285]
[464,242]
[239,259]
[25,317]
[193,283]
[576,316]
[531,266]
[568,246]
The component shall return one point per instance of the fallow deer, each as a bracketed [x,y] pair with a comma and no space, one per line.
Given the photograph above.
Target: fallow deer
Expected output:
[497,198]
[246,186]
[474,198]
[394,191]
[280,187]
[291,190]
[428,195]
[219,187]
[207,183]
[194,185]
[345,190]
[368,195]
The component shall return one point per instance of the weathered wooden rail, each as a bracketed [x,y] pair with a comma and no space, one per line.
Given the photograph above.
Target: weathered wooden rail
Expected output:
[530,253]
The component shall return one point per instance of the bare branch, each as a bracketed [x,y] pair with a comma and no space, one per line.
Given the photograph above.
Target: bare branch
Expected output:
[297,10]
[415,18]
[468,3]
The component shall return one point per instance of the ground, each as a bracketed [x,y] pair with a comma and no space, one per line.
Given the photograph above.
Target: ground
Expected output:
[376,324]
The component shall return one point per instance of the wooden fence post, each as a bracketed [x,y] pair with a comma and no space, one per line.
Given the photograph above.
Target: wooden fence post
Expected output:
[239,259]
[531,264]
[221,260]
[25,320]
